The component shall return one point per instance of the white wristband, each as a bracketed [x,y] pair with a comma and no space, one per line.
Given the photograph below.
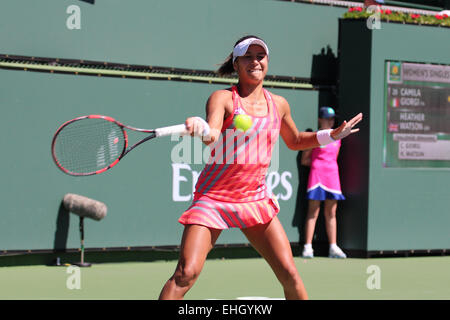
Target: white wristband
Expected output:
[206,128]
[324,137]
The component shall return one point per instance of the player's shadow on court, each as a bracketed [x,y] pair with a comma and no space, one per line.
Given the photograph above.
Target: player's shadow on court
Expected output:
[62,229]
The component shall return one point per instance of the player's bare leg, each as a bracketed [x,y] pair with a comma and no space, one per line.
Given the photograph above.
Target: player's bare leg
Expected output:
[271,242]
[196,243]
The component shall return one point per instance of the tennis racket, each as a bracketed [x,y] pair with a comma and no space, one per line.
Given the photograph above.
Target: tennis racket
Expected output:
[92,144]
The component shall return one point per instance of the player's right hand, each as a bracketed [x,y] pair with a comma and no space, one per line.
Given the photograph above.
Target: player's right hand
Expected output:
[196,126]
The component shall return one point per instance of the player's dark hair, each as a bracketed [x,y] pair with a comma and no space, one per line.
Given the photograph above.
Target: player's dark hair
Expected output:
[227,68]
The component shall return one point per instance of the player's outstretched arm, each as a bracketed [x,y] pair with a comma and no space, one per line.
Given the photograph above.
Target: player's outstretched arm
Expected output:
[296,140]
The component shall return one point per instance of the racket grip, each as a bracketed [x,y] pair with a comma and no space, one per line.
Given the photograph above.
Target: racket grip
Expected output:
[179,129]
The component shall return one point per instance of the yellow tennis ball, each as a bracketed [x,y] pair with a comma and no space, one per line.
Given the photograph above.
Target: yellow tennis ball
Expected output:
[242,122]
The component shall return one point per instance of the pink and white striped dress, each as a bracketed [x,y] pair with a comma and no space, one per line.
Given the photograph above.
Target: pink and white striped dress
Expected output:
[231,191]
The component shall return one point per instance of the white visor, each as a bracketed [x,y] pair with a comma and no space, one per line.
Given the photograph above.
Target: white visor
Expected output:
[241,48]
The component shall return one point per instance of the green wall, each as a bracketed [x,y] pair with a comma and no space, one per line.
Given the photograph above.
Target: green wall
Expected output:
[138,191]
[409,207]
[194,34]
[389,208]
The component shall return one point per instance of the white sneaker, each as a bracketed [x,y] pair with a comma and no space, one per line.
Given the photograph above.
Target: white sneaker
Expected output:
[308,253]
[336,252]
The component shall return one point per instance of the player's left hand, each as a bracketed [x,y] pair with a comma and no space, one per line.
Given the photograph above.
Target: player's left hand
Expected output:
[346,128]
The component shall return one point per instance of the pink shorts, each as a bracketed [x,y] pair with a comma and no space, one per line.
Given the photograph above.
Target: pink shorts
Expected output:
[217,214]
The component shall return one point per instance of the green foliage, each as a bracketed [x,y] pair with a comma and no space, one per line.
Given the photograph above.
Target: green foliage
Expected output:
[395,16]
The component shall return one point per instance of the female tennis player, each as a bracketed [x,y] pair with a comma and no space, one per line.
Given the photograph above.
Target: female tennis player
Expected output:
[231,190]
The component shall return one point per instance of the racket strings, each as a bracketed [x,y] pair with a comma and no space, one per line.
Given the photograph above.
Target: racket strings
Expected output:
[88,145]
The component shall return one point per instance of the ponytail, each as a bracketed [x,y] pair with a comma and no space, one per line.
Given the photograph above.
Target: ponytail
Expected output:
[226,69]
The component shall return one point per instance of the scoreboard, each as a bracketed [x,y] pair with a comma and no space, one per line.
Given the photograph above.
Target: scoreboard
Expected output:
[417,115]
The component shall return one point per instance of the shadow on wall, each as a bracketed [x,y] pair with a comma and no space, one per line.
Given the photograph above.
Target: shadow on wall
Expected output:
[324,67]
[324,77]
[62,229]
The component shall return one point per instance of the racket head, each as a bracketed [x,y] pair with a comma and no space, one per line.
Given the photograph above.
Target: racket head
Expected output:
[89,145]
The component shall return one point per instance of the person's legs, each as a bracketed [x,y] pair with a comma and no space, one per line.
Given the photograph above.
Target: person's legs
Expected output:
[311,218]
[196,243]
[331,227]
[330,219]
[310,225]
[272,244]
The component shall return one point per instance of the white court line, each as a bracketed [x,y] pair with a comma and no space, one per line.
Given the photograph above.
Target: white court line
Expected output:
[252,298]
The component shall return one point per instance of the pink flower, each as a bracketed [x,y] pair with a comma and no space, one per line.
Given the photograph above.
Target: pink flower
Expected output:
[353,9]
[414,16]
[387,11]
[439,17]
[445,16]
